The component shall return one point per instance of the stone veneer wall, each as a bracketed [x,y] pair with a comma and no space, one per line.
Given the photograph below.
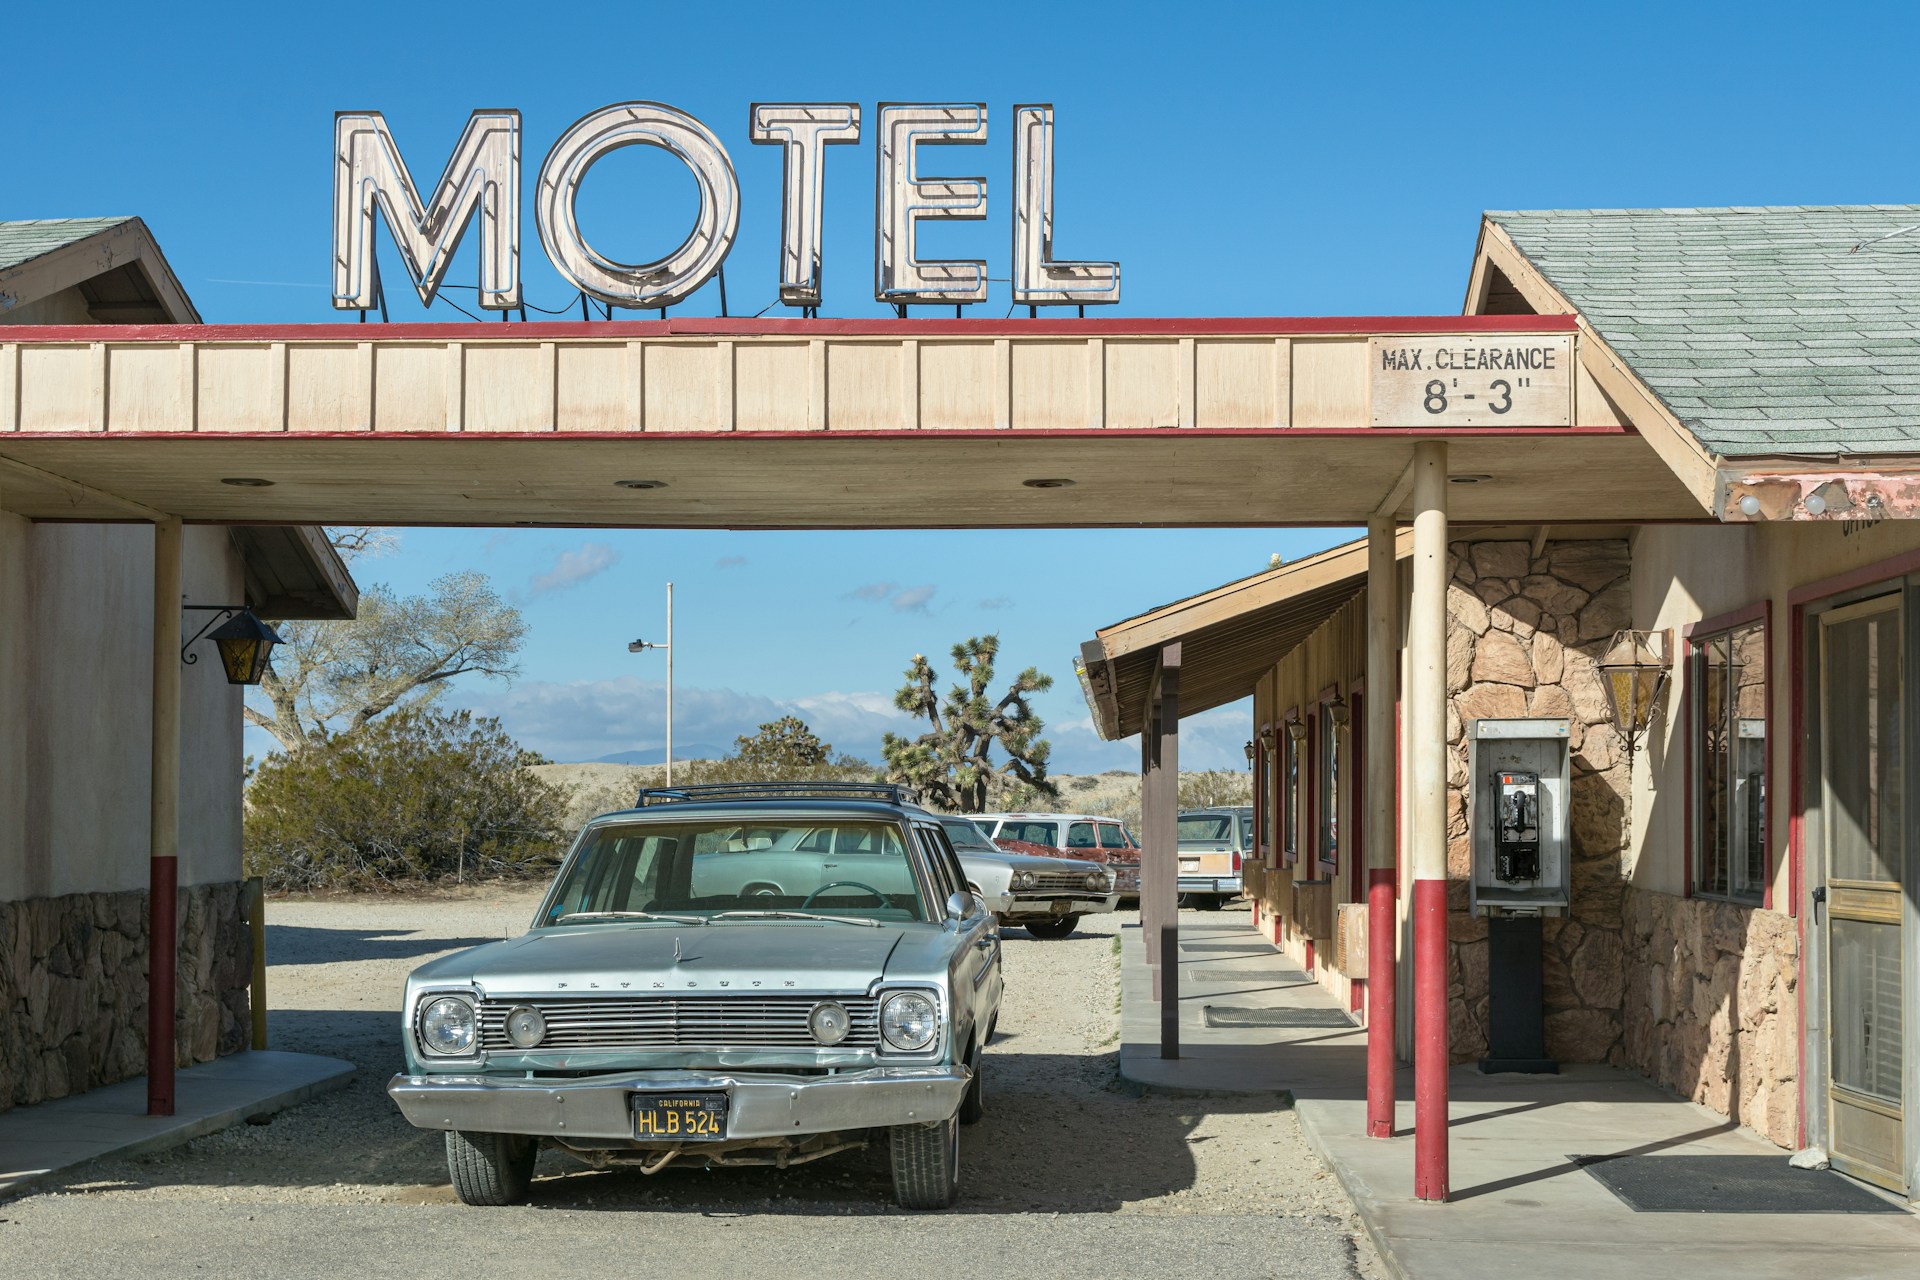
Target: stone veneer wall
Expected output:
[1524,634]
[1713,1013]
[73,987]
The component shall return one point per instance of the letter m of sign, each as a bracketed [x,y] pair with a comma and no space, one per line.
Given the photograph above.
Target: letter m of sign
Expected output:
[482,177]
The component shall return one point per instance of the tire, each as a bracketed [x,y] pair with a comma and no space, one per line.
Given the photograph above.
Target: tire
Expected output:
[1050,929]
[926,1163]
[491,1168]
[973,1104]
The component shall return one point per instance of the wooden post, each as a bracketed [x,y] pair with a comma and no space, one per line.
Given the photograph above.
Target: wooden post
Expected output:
[1382,831]
[1427,809]
[1159,837]
[163,830]
[257,896]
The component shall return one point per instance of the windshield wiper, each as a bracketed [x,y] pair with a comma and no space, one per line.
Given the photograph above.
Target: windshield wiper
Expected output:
[776,913]
[628,915]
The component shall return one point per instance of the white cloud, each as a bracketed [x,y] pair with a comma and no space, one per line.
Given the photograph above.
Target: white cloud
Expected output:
[902,599]
[730,562]
[574,567]
[874,591]
[587,719]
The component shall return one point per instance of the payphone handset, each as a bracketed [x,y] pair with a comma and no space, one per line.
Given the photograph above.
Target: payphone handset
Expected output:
[1516,832]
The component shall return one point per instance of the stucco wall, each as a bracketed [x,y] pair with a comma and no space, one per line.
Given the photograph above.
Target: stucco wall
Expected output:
[75,711]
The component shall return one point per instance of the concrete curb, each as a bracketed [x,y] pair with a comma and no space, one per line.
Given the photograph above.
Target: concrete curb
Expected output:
[1365,1205]
[261,1083]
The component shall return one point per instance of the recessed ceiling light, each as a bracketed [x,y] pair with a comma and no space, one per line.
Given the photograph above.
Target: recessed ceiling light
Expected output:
[1048,483]
[639,484]
[1469,478]
[246,482]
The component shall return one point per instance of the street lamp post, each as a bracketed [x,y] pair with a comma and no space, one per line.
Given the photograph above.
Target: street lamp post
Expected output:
[641,646]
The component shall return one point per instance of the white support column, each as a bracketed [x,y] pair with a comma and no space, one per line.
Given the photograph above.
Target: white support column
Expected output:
[1382,830]
[1426,699]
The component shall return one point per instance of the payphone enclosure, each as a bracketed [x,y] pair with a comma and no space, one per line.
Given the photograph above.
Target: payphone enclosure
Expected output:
[1519,788]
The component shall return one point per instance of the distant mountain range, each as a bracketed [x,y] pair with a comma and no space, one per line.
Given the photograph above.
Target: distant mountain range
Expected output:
[658,755]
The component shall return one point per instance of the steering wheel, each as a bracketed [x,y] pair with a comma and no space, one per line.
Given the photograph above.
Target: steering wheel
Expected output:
[835,884]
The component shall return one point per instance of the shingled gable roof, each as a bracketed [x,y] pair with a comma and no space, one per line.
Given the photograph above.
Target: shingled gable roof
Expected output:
[114,263]
[1766,332]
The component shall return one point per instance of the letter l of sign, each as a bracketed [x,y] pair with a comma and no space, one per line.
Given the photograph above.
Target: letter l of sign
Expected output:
[1037,279]
[804,130]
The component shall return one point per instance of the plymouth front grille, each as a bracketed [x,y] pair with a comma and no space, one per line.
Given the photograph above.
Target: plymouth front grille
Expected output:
[678,1022]
[1061,882]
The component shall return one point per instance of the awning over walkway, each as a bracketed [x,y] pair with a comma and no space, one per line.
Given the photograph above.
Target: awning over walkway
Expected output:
[1230,636]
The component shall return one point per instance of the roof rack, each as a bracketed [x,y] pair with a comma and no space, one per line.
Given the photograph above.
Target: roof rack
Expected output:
[886,792]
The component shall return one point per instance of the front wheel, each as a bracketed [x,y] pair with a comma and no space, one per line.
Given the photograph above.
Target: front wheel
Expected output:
[491,1168]
[926,1163]
[1060,928]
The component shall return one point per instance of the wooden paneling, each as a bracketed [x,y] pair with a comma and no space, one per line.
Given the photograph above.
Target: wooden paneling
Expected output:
[863,386]
[329,387]
[148,388]
[958,390]
[689,386]
[241,387]
[1330,382]
[410,388]
[1242,384]
[510,387]
[1050,386]
[60,389]
[1145,383]
[590,387]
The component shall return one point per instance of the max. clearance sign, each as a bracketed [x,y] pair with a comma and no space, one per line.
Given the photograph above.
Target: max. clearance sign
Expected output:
[482,180]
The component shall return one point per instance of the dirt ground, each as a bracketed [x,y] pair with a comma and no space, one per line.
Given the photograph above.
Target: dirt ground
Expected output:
[1061,1136]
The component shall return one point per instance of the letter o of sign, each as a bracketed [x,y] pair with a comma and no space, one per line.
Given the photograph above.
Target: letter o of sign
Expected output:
[668,280]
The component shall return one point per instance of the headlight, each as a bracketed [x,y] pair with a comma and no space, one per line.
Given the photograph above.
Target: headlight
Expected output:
[909,1021]
[447,1027]
[526,1026]
[1023,879]
[829,1022]
[1096,880]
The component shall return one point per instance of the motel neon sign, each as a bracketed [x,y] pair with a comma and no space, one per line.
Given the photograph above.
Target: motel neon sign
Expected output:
[482,184]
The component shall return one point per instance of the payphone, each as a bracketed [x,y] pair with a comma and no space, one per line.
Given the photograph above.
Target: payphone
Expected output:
[1518,789]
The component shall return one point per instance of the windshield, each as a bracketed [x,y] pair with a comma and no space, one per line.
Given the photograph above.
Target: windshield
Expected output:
[964,833]
[1045,833]
[1206,828]
[700,869]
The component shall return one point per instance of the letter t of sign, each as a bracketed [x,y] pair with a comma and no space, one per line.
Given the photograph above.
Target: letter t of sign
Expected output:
[803,129]
[1037,279]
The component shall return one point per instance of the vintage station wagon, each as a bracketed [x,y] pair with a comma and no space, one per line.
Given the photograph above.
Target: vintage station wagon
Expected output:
[737,975]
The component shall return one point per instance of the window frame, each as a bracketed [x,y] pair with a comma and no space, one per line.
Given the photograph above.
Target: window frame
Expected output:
[1328,789]
[1696,641]
[1288,783]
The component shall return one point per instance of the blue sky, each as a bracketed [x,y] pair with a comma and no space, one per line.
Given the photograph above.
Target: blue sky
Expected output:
[1271,159]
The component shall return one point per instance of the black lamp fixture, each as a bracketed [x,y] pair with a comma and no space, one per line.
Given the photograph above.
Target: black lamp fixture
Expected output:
[244,642]
[1634,672]
[1249,753]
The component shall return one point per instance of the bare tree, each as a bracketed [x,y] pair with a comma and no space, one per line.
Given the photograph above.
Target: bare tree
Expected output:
[330,678]
[361,541]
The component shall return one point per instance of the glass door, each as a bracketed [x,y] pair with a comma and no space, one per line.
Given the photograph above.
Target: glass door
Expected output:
[1862,769]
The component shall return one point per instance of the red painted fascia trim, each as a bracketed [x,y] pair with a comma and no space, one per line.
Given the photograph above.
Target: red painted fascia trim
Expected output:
[1897,567]
[1796,823]
[718,327]
[903,433]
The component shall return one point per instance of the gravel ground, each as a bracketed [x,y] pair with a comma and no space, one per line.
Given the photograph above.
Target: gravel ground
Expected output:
[1061,1136]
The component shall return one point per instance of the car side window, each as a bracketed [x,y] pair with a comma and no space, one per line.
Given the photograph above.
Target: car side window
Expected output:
[1080,836]
[944,886]
[937,837]
[1111,837]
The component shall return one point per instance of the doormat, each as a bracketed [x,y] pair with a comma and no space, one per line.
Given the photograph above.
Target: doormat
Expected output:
[1250,948]
[1728,1184]
[1220,1015]
[1291,976]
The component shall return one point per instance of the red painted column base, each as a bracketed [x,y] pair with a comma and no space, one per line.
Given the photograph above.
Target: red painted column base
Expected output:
[1381,1011]
[1431,1058]
[162,930]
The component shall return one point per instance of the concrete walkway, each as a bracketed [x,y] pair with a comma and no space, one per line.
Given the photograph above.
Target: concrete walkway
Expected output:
[39,1141]
[1520,1207]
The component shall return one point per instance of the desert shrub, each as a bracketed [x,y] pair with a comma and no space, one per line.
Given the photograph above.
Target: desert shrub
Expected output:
[1215,788]
[414,796]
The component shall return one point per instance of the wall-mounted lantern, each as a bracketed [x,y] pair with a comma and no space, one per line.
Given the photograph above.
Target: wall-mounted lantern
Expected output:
[1635,672]
[1249,753]
[1297,729]
[245,643]
[1338,712]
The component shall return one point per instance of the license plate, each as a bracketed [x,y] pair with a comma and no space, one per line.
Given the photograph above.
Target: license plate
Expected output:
[680,1117]
[1189,864]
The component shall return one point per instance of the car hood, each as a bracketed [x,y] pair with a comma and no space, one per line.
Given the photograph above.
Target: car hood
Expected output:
[1026,862]
[798,955]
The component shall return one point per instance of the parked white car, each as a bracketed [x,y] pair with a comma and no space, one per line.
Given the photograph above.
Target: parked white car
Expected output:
[1044,896]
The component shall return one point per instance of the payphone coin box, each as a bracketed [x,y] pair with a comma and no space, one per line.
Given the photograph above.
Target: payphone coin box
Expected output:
[1517,809]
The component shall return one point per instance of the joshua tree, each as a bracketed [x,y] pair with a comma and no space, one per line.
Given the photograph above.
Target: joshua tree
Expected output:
[952,764]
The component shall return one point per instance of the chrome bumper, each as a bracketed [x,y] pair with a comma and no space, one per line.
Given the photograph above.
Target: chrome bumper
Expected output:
[760,1105]
[1037,907]
[1228,885]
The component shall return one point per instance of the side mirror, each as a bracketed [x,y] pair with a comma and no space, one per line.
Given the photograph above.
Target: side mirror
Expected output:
[960,904]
